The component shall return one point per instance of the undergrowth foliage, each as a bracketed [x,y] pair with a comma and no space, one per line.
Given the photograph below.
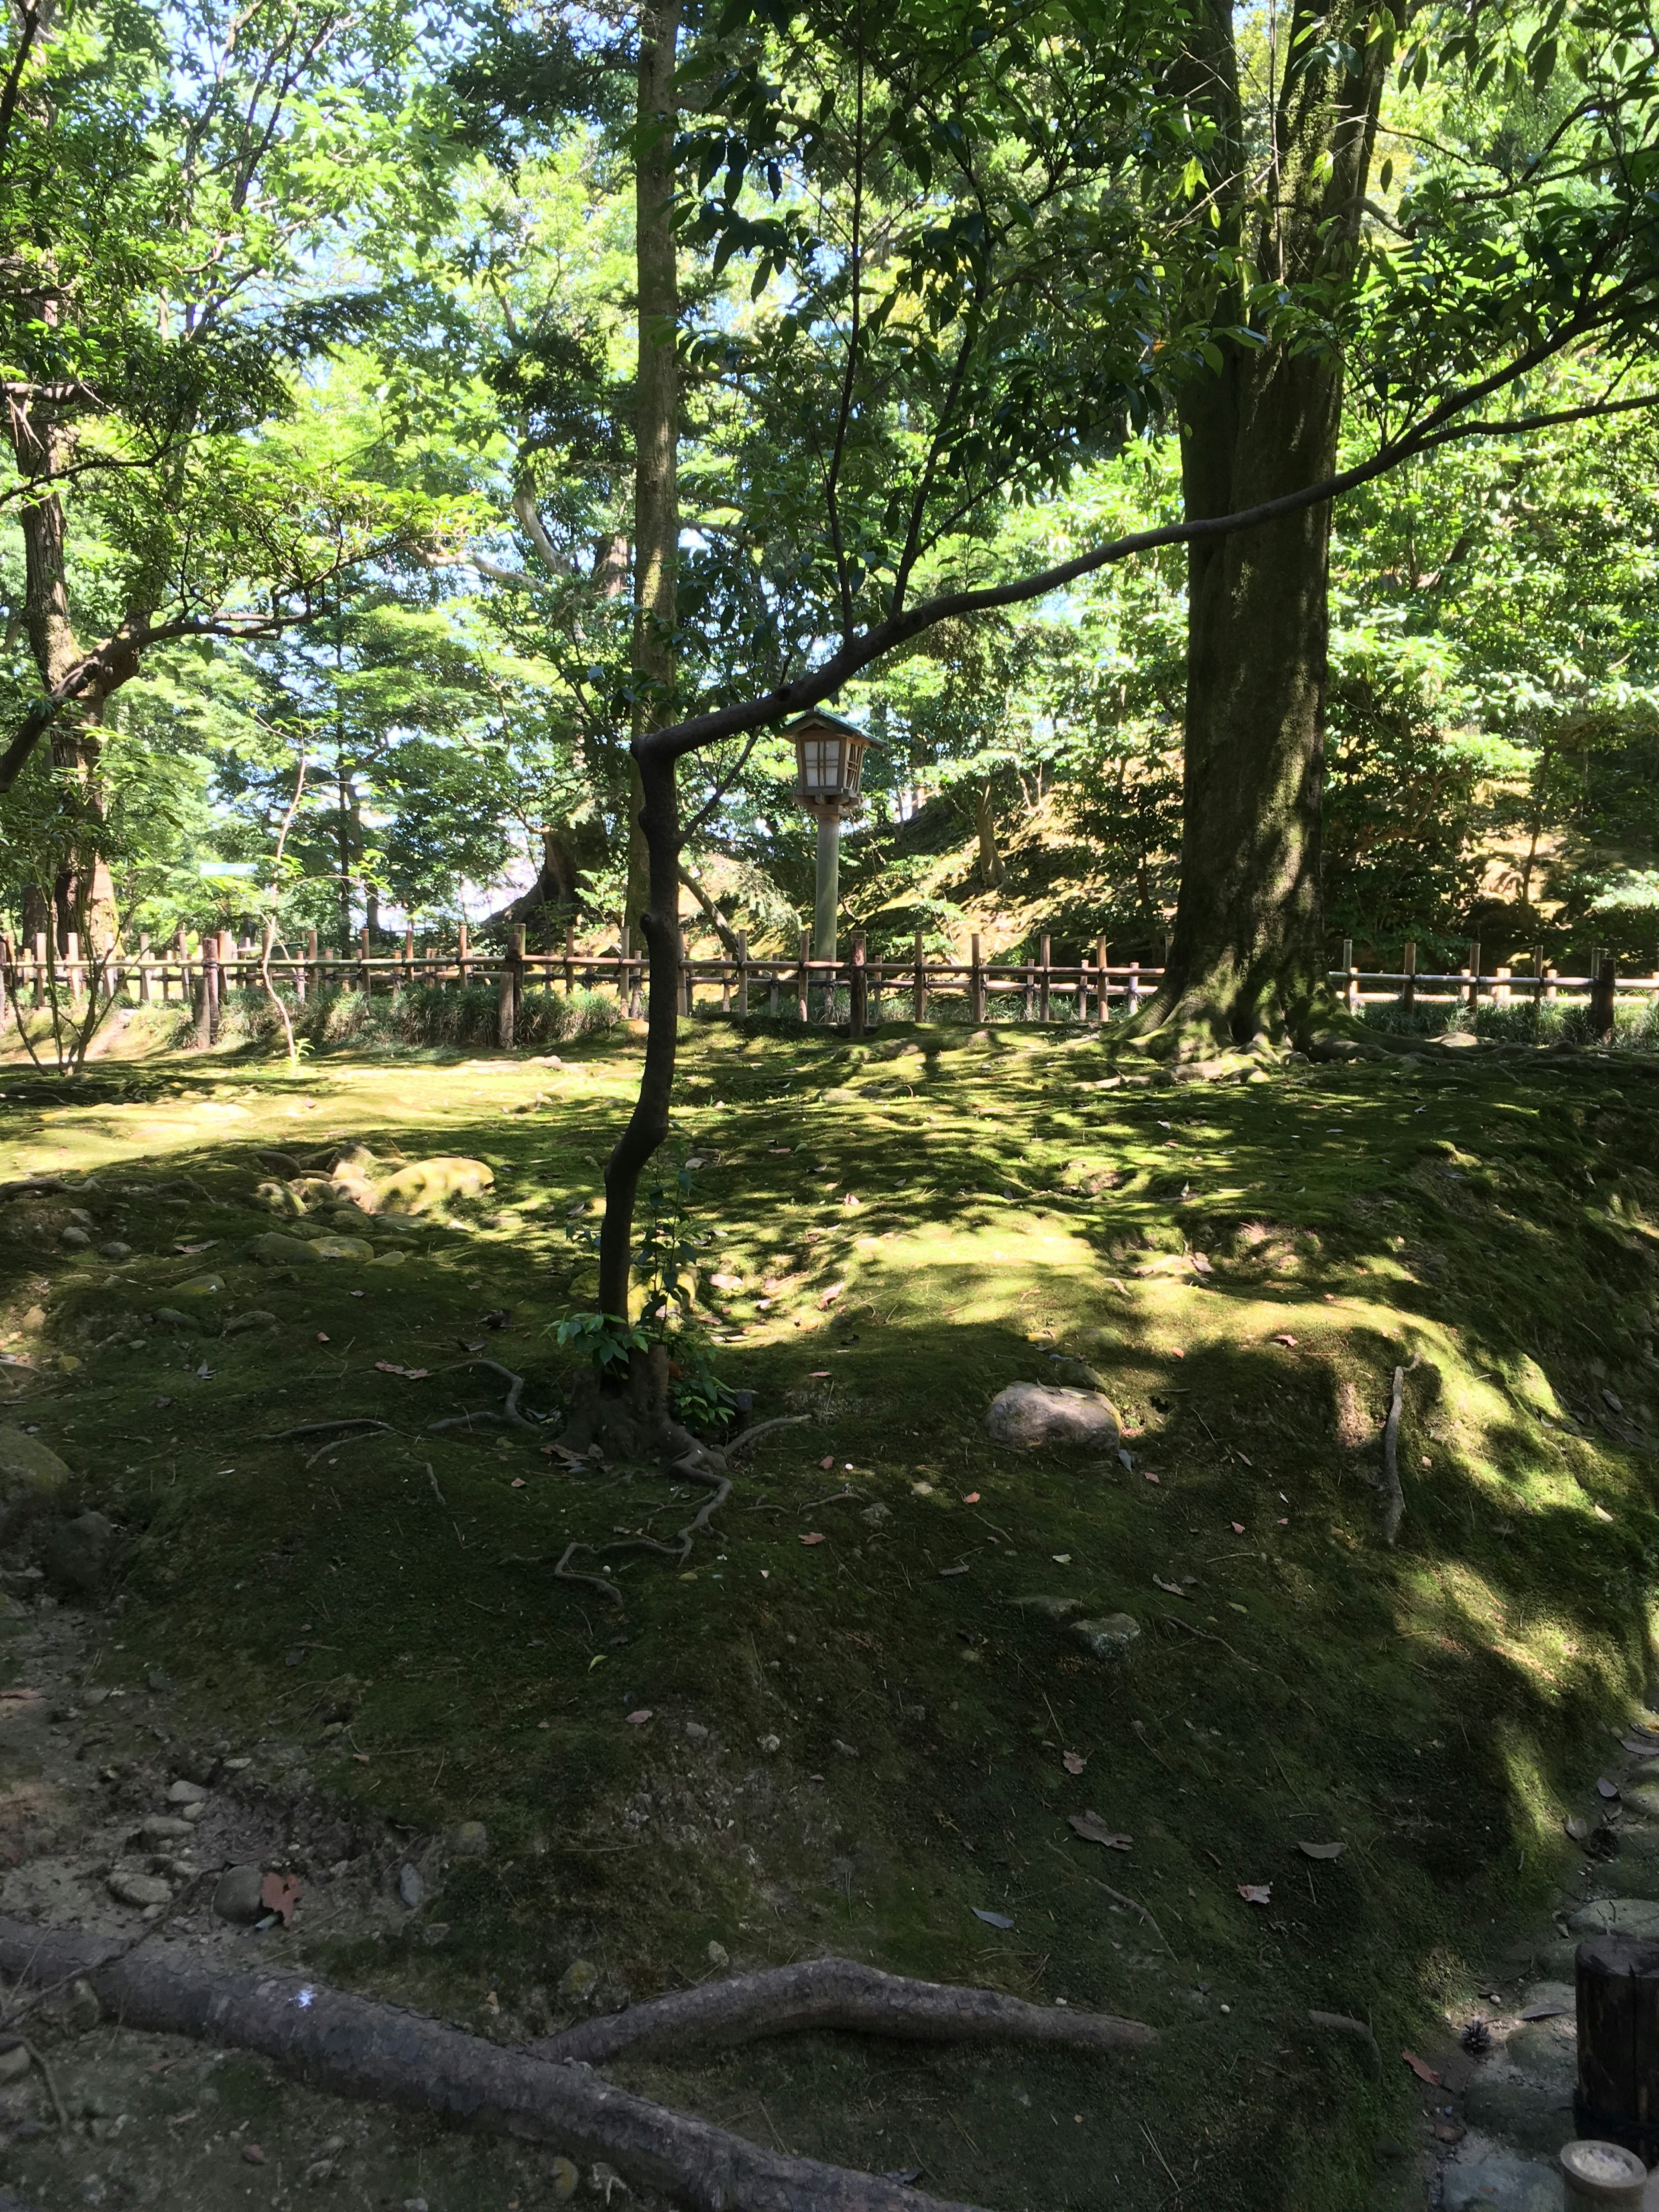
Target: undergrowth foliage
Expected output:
[414,1014]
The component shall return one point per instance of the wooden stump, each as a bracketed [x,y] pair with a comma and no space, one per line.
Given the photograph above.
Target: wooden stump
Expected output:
[1617,2100]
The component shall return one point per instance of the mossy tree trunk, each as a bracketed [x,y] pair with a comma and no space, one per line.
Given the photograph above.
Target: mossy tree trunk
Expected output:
[1246,965]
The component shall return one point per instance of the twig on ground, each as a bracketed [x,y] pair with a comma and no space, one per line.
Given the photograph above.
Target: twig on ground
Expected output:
[1393,1498]
[51,2081]
[325,1429]
[834,1498]
[1119,1897]
[1175,1620]
[507,1417]
[436,1492]
[339,1443]
[820,1994]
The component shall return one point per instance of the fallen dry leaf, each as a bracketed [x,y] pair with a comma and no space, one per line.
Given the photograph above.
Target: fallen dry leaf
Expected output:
[1283,1336]
[280,1893]
[1147,1475]
[640,1718]
[1237,1527]
[827,1463]
[1421,2068]
[517,1483]
[1094,1830]
[1607,1789]
[1323,1850]
[414,1373]
[972,1499]
[817,1537]
[322,1336]
[1257,1892]
[827,1298]
[1074,1762]
[1174,1589]
[252,2155]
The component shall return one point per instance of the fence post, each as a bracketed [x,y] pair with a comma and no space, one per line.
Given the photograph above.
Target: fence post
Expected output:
[462,969]
[38,993]
[143,968]
[1351,986]
[409,952]
[685,981]
[976,982]
[569,957]
[72,962]
[1132,989]
[1500,991]
[1550,978]
[1602,994]
[1101,985]
[506,1002]
[1537,975]
[800,978]
[1028,996]
[857,1006]
[207,1016]
[1408,988]
[1475,973]
[919,984]
[1044,986]
[743,974]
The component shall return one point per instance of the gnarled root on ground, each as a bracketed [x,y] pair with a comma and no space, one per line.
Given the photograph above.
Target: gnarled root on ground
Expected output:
[508,1416]
[837,1993]
[350,2046]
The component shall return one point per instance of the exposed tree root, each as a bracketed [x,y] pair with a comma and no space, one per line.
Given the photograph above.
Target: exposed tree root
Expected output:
[744,1437]
[350,2046]
[508,1416]
[837,1993]
[679,1551]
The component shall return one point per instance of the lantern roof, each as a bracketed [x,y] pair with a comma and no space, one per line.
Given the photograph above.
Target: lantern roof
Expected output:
[816,719]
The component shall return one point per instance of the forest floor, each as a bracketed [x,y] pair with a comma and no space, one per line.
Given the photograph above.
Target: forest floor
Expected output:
[858,1719]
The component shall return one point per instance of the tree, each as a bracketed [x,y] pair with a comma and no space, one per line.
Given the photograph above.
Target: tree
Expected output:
[172,182]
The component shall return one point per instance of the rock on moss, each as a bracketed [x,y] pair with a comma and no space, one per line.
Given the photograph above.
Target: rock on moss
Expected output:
[1038,1416]
[77,1554]
[28,1467]
[276,1249]
[1109,1638]
[342,1247]
[424,1184]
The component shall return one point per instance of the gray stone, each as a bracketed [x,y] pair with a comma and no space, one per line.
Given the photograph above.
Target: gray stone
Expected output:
[1643,1798]
[1047,1607]
[1038,1416]
[77,1554]
[163,1828]
[236,1895]
[139,1889]
[471,1840]
[1109,1638]
[186,1792]
[115,1249]
[1547,2050]
[14,2060]
[1631,1875]
[343,1247]
[1549,1993]
[1533,2118]
[171,1316]
[696,1731]
[1618,1916]
[200,1287]
[76,1239]
[410,1887]
[1503,2185]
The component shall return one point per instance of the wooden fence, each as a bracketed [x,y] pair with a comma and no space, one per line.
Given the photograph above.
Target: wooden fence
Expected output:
[792,986]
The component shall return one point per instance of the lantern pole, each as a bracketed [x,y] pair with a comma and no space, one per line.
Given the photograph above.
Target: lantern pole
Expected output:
[827,896]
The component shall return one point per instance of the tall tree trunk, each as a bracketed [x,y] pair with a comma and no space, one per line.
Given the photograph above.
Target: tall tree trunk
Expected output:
[656,428]
[985,825]
[83,895]
[1249,929]
[1247,961]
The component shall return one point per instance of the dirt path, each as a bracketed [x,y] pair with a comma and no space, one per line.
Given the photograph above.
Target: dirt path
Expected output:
[91,1785]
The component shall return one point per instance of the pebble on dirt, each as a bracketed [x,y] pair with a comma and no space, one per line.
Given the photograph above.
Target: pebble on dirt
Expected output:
[236,1895]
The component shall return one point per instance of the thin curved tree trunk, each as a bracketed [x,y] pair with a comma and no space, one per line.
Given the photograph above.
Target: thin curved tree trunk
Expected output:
[656,432]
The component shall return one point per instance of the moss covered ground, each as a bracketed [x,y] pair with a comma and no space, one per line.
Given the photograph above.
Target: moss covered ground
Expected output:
[893,1742]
